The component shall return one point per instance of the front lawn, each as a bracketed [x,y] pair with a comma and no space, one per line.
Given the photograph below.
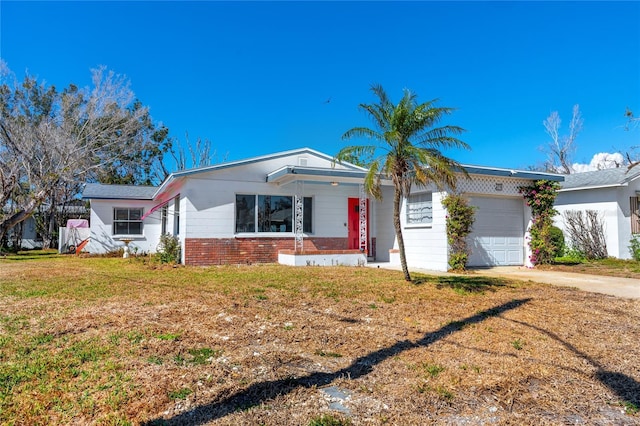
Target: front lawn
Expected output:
[610,267]
[113,341]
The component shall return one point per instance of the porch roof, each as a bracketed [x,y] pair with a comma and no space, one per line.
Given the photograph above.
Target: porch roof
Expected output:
[289,174]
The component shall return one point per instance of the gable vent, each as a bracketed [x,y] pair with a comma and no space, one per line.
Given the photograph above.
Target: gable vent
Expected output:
[302,161]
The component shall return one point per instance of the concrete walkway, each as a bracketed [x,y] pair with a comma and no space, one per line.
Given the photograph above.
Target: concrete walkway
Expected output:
[614,286]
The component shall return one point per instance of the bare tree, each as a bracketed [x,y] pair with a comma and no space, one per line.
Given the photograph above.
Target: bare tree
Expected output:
[586,232]
[189,155]
[50,139]
[632,123]
[561,148]
[198,154]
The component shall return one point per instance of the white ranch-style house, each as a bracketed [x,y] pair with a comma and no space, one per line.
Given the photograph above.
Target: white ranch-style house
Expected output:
[300,208]
[613,193]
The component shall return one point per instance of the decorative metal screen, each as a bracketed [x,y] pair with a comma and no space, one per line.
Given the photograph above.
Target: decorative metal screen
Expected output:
[299,217]
[363,219]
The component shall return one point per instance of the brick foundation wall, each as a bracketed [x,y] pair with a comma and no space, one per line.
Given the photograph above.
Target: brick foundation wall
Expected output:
[220,251]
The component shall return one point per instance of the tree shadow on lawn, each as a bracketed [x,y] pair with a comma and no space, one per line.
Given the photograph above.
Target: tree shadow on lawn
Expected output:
[625,387]
[29,255]
[260,392]
[462,284]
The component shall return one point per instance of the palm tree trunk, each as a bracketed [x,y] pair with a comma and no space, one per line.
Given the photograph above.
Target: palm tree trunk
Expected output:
[398,228]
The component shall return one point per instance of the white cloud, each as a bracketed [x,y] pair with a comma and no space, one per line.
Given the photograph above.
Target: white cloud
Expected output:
[602,160]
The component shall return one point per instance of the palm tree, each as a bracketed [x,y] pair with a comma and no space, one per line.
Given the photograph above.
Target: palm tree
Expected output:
[407,150]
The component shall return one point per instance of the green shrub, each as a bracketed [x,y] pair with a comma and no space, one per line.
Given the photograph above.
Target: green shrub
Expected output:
[634,247]
[540,196]
[557,239]
[571,255]
[168,249]
[460,218]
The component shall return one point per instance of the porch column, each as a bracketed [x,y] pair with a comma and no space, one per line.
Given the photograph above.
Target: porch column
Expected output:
[363,219]
[298,218]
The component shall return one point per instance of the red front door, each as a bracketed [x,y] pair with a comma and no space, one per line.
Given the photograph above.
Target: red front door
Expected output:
[353,221]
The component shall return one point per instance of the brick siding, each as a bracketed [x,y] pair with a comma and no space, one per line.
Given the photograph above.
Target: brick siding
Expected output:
[220,251]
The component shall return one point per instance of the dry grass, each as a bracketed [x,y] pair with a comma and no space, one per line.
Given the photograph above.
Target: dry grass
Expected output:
[609,267]
[109,341]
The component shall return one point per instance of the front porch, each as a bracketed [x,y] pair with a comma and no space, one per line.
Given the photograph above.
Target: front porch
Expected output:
[322,258]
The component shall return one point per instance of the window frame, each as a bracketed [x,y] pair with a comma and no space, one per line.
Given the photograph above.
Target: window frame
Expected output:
[176,215]
[409,222]
[255,219]
[164,218]
[128,221]
[634,215]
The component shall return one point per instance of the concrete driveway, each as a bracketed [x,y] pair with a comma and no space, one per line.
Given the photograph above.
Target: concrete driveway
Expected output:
[614,286]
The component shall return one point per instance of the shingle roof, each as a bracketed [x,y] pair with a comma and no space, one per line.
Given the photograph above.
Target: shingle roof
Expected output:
[600,178]
[130,192]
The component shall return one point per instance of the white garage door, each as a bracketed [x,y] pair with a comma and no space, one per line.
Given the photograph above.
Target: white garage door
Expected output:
[498,232]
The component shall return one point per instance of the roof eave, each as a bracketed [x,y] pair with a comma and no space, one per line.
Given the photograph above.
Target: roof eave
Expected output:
[519,174]
[581,188]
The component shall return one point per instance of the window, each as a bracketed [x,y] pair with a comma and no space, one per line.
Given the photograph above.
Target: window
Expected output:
[164,213]
[127,221]
[274,213]
[419,209]
[307,215]
[635,215]
[176,215]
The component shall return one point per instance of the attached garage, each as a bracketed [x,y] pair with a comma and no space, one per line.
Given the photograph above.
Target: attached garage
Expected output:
[498,232]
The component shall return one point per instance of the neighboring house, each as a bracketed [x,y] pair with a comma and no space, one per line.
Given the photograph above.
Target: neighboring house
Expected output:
[613,193]
[30,237]
[244,212]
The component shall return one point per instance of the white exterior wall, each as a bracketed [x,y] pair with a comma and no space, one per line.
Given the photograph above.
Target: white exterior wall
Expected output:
[209,199]
[383,225]
[210,207]
[426,245]
[102,239]
[612,204]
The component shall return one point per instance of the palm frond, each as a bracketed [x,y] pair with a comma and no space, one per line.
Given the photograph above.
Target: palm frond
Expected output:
[348,153]
[357,132]
[372,180]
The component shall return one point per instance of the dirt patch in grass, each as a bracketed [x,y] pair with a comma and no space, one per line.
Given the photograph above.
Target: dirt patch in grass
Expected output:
[109,341]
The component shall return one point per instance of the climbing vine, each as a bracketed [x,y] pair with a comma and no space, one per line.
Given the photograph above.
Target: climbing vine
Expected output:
[459,220]
[540,196]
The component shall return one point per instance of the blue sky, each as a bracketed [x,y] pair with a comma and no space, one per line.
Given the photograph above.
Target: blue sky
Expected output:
[254,77]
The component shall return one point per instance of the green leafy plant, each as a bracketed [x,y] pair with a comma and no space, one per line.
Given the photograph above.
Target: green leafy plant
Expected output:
[168,249]
[557,239]
[328,354]
[180,393]
[634,247]
[630,407]
[571,255]
[329,420]
[432,369]
[459,222]
[517,344]
[540,197]
[168,336]
[203,355]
